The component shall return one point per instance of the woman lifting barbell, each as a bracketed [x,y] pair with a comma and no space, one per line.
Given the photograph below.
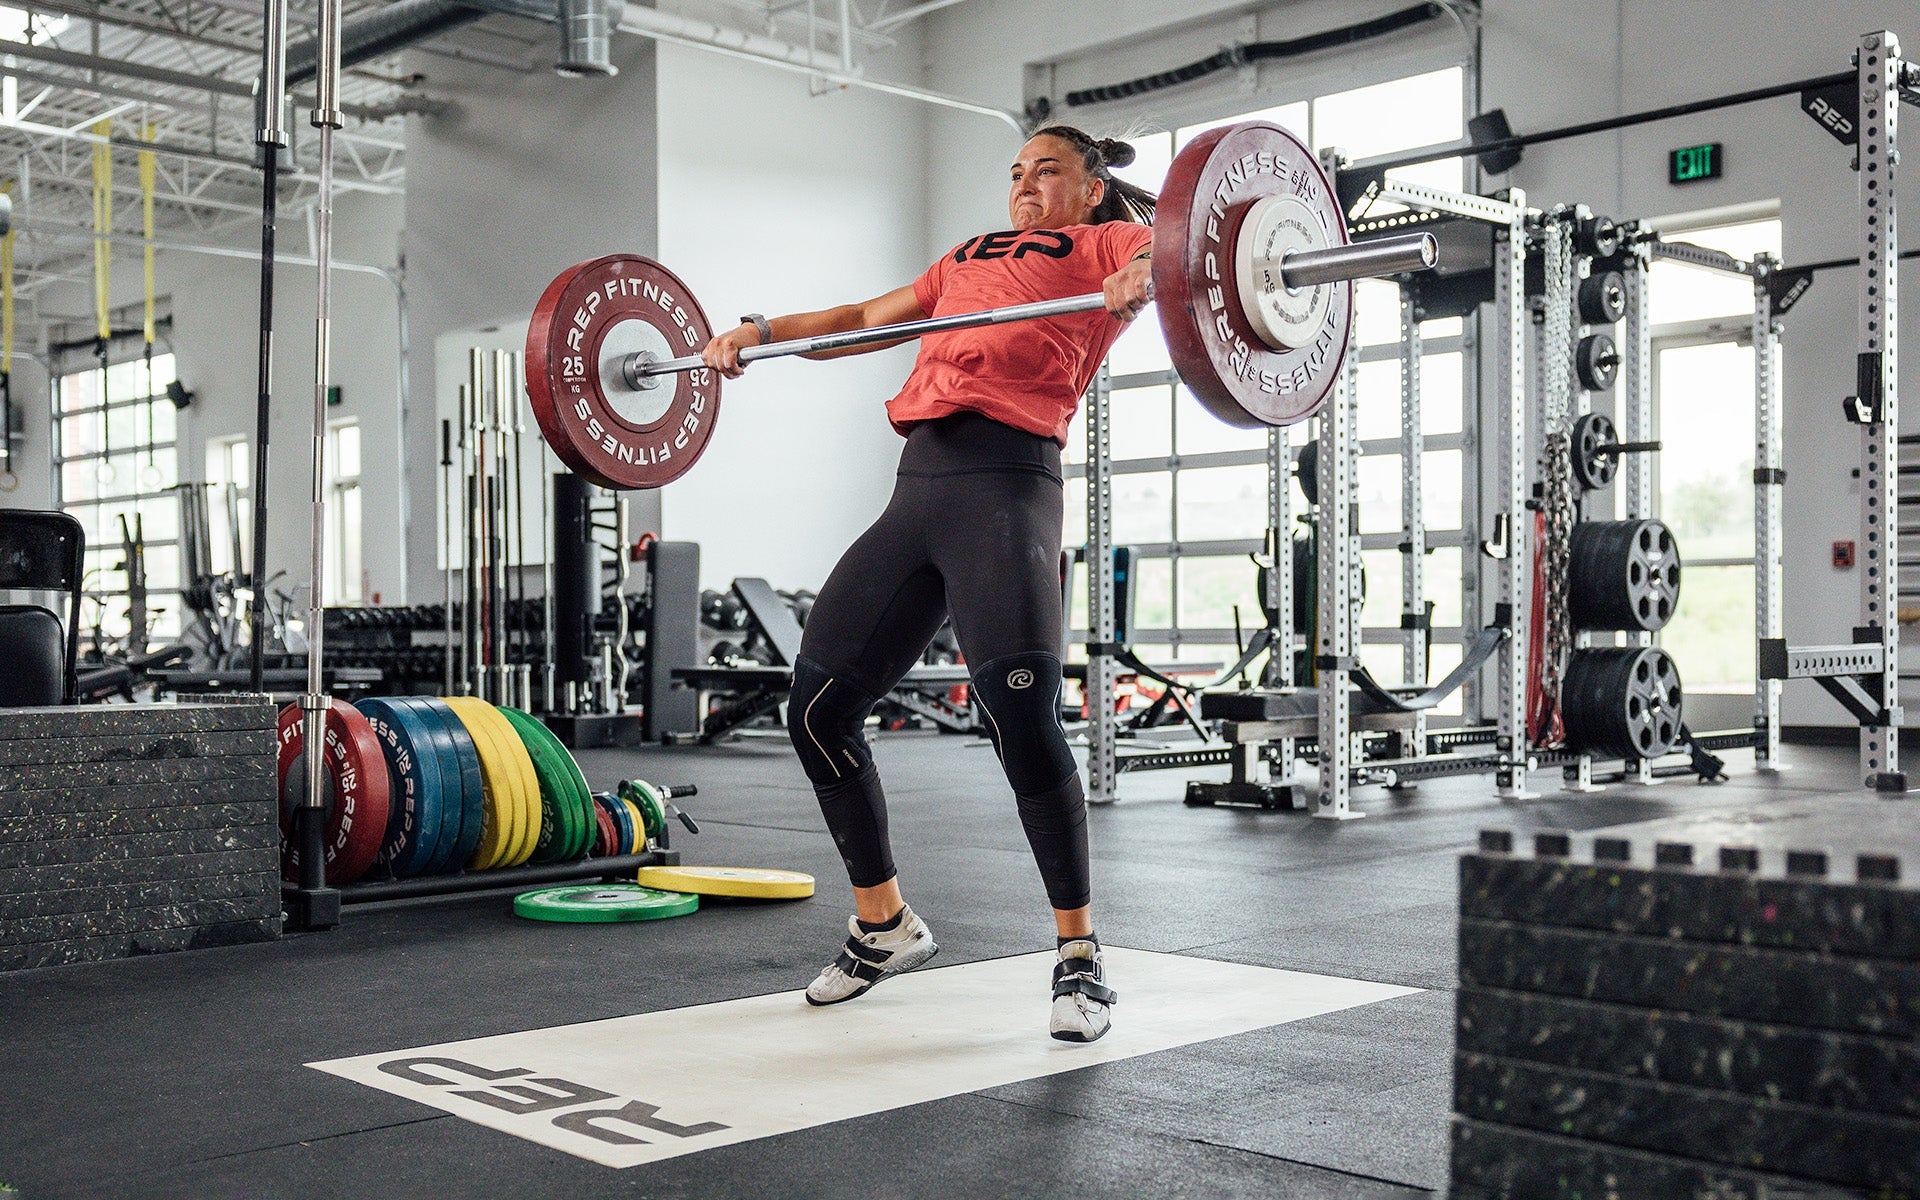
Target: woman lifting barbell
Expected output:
[972,532]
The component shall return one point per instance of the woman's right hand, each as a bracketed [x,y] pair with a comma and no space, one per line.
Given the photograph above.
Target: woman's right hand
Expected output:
[723,352]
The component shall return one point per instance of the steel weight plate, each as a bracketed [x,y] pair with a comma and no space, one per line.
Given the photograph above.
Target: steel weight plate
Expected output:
[465,757]
[413,788]
[747,883]
[587,322]
[357,799]
[1215,181]
[604,902]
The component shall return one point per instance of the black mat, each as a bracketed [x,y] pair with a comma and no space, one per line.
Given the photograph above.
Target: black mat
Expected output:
[182,1075]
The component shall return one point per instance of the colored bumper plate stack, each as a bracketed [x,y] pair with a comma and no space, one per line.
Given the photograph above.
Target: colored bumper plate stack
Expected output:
[357,799]
[415,808]
[460,774]
[605,902]
[513,790]
[565,800]
[746,883]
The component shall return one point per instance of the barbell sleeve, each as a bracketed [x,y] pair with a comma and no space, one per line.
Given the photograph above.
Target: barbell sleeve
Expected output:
[1306,268]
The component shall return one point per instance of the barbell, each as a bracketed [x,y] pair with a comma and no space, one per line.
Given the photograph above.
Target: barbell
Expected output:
[1252,277]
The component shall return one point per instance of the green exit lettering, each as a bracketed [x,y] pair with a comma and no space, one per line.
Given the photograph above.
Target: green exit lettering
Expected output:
[1692,163]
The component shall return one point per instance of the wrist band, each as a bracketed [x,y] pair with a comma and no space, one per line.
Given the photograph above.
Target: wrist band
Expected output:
[759,321]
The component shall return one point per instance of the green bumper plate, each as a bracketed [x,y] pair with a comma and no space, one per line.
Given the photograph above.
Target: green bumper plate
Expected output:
[602,903]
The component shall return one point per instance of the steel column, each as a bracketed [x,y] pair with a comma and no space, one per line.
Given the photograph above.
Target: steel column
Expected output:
[1513,587]
[1769,496]
[1102,733]
[1413,523]
[1878,70]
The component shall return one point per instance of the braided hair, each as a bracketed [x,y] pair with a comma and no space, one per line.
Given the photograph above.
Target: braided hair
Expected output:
[1123,201]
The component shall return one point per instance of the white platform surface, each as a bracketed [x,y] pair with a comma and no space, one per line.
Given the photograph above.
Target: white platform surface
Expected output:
[638,1089]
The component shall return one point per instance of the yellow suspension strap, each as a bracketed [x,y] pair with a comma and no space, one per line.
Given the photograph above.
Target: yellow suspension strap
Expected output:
[151,476]
[8,480]
[102,269]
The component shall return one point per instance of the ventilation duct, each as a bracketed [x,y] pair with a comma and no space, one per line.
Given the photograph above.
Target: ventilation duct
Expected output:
[586,29]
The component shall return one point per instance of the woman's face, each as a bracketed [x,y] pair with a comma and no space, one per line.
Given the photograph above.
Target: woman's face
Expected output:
[1051,188]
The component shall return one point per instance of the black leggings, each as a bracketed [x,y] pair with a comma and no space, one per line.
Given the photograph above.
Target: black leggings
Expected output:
[972,530]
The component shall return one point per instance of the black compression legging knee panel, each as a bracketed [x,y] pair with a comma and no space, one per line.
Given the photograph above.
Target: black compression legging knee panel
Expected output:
[827,718]
[1020,697]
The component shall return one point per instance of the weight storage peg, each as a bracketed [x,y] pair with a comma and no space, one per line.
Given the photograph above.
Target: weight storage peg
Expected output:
[1252,276]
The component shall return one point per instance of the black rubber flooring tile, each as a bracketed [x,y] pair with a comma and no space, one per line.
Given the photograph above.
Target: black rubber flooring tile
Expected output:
[1302,1091]
[972,1145]
[1414,946]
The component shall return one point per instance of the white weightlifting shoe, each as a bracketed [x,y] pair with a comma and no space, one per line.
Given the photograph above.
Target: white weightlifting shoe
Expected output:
[869,957]
[1082,1004]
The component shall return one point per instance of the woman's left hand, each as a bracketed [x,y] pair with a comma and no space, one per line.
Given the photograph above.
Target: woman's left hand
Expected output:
[1129,289]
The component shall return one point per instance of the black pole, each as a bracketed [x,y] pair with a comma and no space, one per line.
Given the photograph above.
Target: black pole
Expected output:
[1414,158]
[256,617]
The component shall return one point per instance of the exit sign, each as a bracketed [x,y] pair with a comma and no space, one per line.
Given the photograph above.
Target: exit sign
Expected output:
[1690,164]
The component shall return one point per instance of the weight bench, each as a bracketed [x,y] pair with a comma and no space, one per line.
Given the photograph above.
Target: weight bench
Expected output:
[1257,715]
[40,552]
[758,690]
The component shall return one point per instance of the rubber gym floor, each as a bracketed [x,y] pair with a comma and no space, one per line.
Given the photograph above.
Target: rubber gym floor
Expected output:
[182,1074]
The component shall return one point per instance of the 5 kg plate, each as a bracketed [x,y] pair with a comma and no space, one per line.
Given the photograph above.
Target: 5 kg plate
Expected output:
[604,902]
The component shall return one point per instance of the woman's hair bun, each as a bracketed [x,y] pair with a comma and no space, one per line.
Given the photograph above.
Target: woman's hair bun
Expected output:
[1116,153]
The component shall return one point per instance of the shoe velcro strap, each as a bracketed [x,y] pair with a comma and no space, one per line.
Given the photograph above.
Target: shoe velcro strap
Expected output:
[856,969]
[1089,967]
[861,950]
[1085,986]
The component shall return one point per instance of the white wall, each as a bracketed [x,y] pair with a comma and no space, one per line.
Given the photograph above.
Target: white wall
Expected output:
[215,337]
[775,201]
[526,176]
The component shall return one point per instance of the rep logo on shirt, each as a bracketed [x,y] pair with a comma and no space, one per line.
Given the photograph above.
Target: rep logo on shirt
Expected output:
[1011,242]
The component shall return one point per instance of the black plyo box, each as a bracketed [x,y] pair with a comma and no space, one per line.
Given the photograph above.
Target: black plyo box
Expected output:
[1872,920]
[1788,987]
[123,720]
[136,747]
[130,829]
[1817,1068]
[1849,1149]
[1499,1162]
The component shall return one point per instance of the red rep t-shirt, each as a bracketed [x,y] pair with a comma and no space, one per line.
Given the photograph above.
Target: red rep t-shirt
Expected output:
[1027,374]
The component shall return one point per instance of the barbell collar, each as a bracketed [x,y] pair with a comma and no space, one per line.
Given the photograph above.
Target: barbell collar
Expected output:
[1362,260]
[1308,268]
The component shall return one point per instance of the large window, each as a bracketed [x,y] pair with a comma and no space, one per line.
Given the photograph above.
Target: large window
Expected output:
[114,463]
[343,584]
[1191,492]
[1703,395]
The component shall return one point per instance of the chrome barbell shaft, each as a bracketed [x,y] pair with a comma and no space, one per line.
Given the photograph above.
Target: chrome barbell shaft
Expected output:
[1306,268]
